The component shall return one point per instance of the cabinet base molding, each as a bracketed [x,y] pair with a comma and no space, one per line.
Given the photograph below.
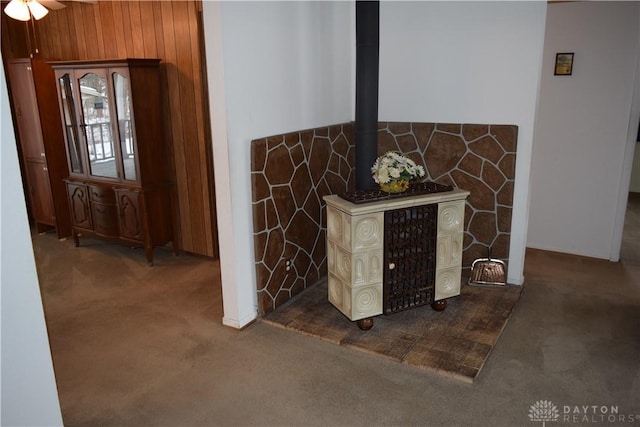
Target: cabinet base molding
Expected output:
[119,214]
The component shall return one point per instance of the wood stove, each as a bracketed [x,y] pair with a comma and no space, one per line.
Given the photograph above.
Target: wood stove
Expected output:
[394,254]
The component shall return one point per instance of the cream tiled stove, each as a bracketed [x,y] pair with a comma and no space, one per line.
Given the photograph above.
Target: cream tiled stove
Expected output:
[388,255]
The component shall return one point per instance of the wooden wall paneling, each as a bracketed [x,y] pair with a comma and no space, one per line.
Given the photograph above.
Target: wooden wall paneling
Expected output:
[50,45]
[118,29]
[185,21]
[66,26]
[177,132]
[198,150]
[208,138]
[94,49]
[47,32]
[159,29]
[14,37]
[43,43]
[78,19]
[126,28]
[136,29]
[148,29]
[5,37]
[98,20]
[190,125]
[198,83]
[106,30]
[74,49]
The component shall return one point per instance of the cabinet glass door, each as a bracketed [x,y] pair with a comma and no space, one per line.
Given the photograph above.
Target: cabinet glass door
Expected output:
[97,125]
[125,125]
[70,124]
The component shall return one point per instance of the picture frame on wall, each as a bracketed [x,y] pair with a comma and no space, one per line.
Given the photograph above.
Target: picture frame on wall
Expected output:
[564,64]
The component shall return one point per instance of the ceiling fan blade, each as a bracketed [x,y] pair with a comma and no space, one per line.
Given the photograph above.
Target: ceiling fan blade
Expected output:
[56,5]
[52,4]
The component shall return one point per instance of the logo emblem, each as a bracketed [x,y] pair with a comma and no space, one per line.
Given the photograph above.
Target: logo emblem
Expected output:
[543,410]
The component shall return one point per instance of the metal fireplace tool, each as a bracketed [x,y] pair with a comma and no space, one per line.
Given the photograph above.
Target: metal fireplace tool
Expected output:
[488,272]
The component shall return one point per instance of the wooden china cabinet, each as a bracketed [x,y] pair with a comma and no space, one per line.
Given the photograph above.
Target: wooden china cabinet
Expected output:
[119,184]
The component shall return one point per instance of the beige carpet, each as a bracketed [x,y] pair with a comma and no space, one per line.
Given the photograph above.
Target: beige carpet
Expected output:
[136,346]
[455,342]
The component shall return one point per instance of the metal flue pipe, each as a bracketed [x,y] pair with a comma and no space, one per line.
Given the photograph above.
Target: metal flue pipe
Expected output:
[367,70]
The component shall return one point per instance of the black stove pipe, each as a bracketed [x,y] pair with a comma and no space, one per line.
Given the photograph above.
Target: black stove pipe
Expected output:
[367,70]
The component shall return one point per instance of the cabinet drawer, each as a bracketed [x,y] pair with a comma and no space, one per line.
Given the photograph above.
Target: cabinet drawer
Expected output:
[101,194]
[105,220]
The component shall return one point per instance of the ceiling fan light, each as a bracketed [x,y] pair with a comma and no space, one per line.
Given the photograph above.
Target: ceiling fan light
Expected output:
[17,9]
[37,10]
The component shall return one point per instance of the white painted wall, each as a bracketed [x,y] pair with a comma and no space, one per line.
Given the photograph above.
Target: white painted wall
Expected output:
[470,62]
[283,66]
[584,135]
[29,396]
[274,67]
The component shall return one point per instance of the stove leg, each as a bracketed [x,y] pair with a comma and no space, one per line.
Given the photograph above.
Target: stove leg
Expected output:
[365,324]
[439,305]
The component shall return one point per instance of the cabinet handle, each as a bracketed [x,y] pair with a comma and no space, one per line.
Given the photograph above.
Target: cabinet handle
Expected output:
[392,265]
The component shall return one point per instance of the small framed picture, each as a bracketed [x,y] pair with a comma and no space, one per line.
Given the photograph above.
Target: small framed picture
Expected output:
[564,64]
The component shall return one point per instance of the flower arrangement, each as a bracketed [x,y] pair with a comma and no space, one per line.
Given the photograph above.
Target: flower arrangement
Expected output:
[393,167]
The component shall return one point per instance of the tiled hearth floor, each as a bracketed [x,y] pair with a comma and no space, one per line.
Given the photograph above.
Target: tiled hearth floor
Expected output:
[454,342]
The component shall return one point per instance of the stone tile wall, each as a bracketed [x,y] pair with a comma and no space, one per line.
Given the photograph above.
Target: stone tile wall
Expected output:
[291,173]
[477,158]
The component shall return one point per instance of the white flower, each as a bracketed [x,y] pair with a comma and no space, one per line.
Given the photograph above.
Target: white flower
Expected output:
[393,165]
[383,176]
[394,172]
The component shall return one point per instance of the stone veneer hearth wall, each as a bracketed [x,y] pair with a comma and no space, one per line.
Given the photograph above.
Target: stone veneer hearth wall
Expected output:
[292,172]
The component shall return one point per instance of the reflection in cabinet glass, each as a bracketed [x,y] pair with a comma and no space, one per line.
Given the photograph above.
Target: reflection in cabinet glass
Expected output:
[123,109]
[96,123]
[70,123]
[119,184]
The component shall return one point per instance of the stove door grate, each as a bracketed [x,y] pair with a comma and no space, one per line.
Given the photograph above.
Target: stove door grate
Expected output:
[410,257]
